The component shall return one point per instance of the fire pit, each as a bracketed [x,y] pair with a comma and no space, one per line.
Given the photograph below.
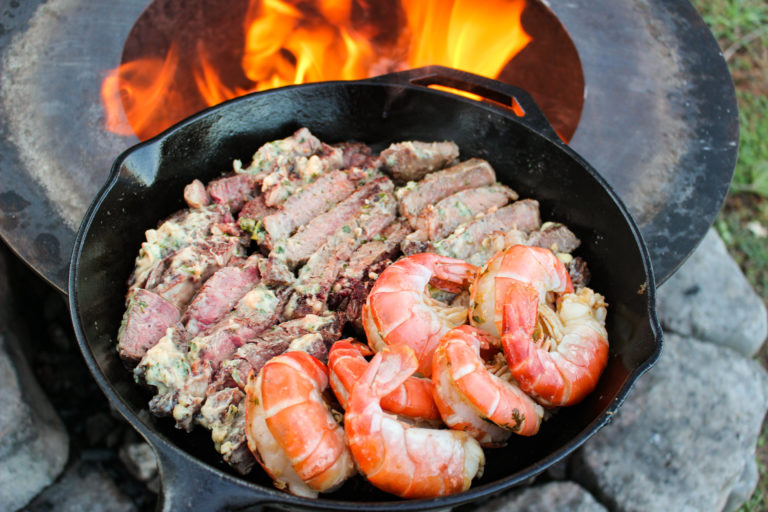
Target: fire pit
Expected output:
[659,118]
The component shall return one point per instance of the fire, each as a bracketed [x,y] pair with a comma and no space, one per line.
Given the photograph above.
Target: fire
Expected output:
[298,41]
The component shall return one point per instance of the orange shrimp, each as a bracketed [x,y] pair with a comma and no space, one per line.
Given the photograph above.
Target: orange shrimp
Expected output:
[471,398]
[290,428]
[534,266]
[400,311]
[556,357]
[346,363]
[408,461]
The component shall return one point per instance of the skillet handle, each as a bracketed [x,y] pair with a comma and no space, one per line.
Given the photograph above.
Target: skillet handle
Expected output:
[188,487]
[507,97]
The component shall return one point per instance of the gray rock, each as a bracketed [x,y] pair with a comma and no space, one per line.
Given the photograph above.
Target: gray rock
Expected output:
[33,442]
[552,497]
[686,436]
[140,460]
[83,488]
[709,299]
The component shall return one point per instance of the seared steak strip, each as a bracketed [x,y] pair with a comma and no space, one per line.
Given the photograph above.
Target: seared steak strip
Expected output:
[554,236]
[436,186]
[145,321]
[179,230]
[182,274]
[312,235]
[273,342]
[366,263]
[442,218]
[219,294]
[464,243]
[234,190]
[316,278]
[412,160]
[357,154]
[304,205]
[249,218]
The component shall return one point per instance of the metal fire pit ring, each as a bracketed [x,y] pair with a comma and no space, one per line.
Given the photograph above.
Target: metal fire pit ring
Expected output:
[146,184]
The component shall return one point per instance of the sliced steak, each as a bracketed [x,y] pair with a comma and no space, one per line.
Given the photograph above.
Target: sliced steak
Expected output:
[145,321]
[312,235]
[466,242]
[412,160]
[234,190]
[179,230]
[556,237]
[252,356]
[195,195]
[366,263]
[165,368]
[316,278]
[472,173]
[357,154]
[219,295]
[308,202]
[442,218]
[187,269]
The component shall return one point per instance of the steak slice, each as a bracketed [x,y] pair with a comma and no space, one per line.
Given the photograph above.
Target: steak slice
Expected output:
[556,237]
[234,190]
[179,230]
[357,154]
[250,217]
[145,321]
[219,295]
[366,263]
[316,278]
[438,185]
[184,272]
[251,357]
[442,218]
[312,235]
[304,205]
[412,160]
[465,243]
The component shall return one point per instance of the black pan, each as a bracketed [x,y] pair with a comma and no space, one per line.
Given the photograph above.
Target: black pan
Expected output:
[146,185]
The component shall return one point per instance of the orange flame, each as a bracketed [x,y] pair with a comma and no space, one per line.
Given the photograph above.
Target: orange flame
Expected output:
[298,41]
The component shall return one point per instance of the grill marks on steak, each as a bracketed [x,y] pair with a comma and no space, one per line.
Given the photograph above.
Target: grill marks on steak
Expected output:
[234,190]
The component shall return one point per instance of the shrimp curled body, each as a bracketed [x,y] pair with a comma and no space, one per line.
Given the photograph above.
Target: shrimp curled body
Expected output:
[473,399]
[413,399]
[290,429]
[554,338]
[400,311]
[408,461]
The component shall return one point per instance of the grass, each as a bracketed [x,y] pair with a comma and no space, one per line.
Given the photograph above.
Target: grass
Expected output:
[741,28]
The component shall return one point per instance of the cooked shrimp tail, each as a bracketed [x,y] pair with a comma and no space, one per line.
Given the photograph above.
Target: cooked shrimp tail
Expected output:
[412,399]
[400,311]
[470,397]
[408,461]
[290,428]
[557,357]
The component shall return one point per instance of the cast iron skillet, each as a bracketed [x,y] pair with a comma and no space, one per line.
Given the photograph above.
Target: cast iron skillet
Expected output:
[146,185]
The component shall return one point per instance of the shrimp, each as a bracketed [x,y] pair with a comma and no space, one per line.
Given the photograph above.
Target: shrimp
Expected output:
[400,311]
[534,266]
[396,457]
[346,363]
[290,429]
[559,359]
[471,398]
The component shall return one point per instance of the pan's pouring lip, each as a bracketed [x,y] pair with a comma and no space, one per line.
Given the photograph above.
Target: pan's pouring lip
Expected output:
[170,455]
